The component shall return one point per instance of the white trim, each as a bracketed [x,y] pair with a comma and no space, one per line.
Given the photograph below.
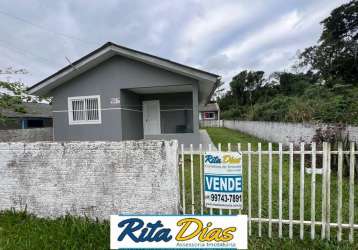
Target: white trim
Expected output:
[102,109]
[168,110]
[82,122]
[134,110]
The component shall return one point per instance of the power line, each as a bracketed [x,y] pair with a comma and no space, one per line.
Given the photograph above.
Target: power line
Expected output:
[24,66]
[47,30]
[22,52]
[26,54]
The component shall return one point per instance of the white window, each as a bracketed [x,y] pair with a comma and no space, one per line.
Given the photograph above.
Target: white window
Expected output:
[84,110]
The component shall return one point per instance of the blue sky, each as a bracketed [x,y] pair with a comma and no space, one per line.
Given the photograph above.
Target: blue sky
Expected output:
[221,36]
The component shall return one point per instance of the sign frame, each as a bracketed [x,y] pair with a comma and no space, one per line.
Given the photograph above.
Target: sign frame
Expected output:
[223,180]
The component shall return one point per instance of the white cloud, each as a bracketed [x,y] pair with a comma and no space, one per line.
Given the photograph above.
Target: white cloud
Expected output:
[273,46]
[221,36]
[214,20]
[268,34]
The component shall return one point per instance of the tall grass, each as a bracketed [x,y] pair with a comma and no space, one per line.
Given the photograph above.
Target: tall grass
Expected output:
[19,230]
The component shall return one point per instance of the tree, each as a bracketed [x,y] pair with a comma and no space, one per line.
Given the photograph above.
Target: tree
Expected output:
[335,56]
[246,82]
[254,80]
[12,93]
[237,86]
[293,84]
[218,92]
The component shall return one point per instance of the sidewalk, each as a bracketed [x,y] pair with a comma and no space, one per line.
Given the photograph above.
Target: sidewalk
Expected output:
[205,140]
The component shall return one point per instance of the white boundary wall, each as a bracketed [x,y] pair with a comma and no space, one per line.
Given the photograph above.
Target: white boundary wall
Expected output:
[211,123]
[95,179]
[283,132]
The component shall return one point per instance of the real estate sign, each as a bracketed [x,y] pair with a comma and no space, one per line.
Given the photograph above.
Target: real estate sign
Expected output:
[179,232]
[223,180]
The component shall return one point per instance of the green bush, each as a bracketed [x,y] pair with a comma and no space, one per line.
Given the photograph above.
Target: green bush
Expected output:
[317,103]
[233,113]
[274,110]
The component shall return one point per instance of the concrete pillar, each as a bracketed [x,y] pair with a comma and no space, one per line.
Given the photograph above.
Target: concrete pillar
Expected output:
[195,107]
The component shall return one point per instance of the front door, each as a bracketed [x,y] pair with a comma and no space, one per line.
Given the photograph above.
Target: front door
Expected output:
[151,117]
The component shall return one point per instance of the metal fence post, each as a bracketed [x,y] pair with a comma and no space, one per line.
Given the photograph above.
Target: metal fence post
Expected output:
[324,190]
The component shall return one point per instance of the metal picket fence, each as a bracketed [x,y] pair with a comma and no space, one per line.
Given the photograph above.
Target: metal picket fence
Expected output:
[287,192]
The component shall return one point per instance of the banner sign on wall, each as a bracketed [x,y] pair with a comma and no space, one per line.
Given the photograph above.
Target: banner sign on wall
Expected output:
[182,232]
[223,180]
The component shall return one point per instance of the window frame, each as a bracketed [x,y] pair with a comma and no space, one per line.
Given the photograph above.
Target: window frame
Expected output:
[209,118]
[82,122]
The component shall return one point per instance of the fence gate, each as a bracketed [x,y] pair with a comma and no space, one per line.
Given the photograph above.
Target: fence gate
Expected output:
[287,192]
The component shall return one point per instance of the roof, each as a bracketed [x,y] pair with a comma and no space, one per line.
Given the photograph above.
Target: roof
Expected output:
[41,110]
[209,107]
[107,51]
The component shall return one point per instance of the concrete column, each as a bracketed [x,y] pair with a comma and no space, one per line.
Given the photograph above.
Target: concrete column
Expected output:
[195,107]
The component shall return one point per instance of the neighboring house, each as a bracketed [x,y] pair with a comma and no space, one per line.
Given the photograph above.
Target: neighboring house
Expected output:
[37,115]
[116,93]
[210,111]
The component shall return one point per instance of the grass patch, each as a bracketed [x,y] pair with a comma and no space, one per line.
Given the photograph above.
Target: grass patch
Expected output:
[23,231]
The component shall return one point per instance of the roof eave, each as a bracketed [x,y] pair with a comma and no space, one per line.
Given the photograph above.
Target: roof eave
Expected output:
[108,50]
[216,85]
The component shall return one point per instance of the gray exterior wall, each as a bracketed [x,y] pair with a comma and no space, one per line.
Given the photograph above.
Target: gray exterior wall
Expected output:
[132,117]
[175,109]
[107,80]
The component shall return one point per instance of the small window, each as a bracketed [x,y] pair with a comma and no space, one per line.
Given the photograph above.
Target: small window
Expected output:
[209,115]
[35,123]
[84,110]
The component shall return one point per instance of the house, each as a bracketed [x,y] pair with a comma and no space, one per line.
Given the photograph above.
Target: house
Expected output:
[116,93]
[210,111]
[36,115]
